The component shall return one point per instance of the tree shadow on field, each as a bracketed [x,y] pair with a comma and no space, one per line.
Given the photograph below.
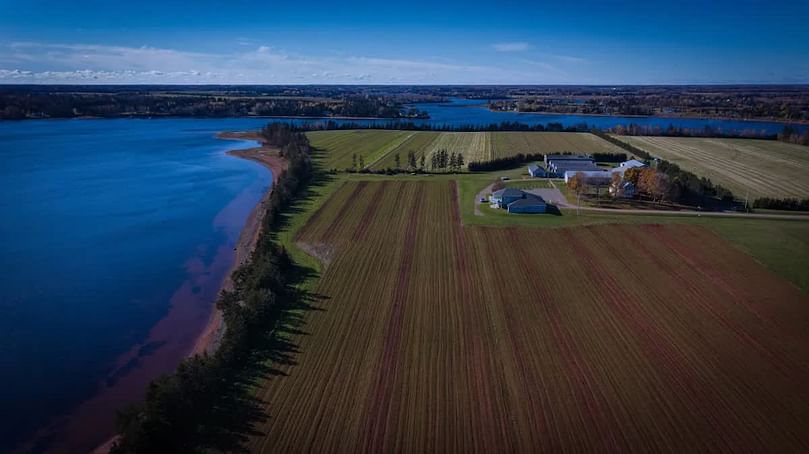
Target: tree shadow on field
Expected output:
[320,178]
[216,402]
[274,357]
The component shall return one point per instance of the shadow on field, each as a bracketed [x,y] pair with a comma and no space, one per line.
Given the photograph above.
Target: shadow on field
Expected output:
[277,350]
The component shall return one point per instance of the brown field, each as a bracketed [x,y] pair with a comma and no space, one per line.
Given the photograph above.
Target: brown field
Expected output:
[433,337]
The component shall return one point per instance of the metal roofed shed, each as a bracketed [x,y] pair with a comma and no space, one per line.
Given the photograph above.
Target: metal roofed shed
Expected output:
[529,204]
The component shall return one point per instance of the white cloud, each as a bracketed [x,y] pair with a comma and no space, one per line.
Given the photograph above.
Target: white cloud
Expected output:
[511,47]
[31,62]
[570,59]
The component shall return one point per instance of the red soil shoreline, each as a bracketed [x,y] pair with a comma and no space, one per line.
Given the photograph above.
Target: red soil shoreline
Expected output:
[210,337]
[208,340]
[77,431]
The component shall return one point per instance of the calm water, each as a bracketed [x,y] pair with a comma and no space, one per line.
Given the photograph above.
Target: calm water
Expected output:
[462,112]
[114,238]
[103,222]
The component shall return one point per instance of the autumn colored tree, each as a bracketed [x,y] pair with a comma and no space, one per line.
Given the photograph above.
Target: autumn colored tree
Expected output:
[616,181]
[578,183]
[656,185]
[633,175]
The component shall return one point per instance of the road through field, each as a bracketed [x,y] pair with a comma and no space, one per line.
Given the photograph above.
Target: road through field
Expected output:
[429,336]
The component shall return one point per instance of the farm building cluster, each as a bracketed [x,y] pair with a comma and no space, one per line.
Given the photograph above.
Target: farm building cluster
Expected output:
[567,166]
[517,201]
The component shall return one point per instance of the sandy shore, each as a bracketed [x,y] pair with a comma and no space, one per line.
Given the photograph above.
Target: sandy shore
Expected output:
[210,337]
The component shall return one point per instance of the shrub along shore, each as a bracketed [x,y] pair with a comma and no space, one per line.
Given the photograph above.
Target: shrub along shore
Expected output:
[207,402]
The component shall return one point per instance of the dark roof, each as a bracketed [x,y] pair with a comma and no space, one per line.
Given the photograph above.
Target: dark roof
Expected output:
[568,157]
[532,167]
[534,200]
[575,165]
[508,192]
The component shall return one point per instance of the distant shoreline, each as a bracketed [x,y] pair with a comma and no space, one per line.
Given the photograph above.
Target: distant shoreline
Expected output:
[672,117]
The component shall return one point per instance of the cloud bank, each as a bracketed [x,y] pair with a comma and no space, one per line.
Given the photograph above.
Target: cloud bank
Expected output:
[511,47]
[250,63]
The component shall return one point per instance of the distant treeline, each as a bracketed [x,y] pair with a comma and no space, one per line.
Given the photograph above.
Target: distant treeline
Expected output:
[792,135]
[207,404]
[504,163]
[628,130]
[329,125]
[787,102]
[687,187]
[677,131]
[16,105]
[782,204]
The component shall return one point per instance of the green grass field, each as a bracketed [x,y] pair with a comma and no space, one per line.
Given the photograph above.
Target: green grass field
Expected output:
[371,145]
[506,144]
[378,148]
[754,168]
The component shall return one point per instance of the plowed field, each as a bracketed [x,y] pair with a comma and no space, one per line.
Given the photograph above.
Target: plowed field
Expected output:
[433,337]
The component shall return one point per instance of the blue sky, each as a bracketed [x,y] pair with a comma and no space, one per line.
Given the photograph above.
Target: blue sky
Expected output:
[531,42]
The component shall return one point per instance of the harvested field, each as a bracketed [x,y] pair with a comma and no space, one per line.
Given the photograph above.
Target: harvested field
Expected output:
[765,168]
[340,146]
[418,143]
[379,147]
[505,144]
[433,337]
[474,146]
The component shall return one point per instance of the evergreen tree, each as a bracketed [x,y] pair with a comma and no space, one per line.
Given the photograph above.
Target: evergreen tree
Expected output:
[397,161]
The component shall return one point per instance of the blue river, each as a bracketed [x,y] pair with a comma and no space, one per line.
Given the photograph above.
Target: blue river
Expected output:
[114,238]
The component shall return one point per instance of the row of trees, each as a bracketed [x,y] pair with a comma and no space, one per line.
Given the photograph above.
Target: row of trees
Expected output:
[678,131]
[792,135]
[207,403]
[609,157]
[441,160]
[504,163]
[782,204]
[403,125]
